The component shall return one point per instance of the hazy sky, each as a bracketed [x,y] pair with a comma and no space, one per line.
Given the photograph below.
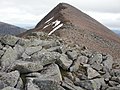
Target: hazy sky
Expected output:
[27,13]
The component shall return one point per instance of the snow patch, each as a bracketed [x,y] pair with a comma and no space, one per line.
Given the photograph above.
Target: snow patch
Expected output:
[49,20]
[57,22]
[46,26]
[56,28]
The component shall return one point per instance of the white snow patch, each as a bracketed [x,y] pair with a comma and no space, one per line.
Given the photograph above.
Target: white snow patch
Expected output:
[46,26]
[49,20]
[56,23]
[56,28]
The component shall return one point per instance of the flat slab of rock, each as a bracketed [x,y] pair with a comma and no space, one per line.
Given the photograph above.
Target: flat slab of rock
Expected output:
[51,72]
[26,67]
[45,57]
[9,40]
[85,84]
[32,50]
[68,84]
[47,84]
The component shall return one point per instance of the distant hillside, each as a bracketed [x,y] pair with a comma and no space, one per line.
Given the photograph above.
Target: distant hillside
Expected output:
[117,32]
[10,29]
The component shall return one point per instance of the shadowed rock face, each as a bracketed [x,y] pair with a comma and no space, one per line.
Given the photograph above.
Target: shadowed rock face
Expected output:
[74,26]
[10,29]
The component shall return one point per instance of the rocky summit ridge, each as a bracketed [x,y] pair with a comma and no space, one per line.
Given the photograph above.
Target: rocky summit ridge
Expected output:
[43,62]
[74,26]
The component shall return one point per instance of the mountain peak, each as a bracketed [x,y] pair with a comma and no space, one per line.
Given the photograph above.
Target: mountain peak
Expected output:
[74,26]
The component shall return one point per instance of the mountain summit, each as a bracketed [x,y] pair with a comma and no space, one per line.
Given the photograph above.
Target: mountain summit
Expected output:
[74,26]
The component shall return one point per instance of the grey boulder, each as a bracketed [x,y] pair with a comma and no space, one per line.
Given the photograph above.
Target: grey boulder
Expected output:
[10,79]
[9,40]
[26,67]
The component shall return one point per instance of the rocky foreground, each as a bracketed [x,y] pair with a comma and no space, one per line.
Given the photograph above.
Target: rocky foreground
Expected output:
[42,62]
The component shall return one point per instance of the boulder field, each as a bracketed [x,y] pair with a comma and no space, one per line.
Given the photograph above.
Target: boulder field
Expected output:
[42,62]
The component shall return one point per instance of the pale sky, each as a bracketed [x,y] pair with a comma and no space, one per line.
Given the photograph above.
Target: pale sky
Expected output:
[27,13]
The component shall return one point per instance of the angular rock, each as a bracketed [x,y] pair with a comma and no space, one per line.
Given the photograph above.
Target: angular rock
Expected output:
[2,85]
[31,50]
[9,88]
[46,58]
[92,73]
[19,50]
[82,59]
[116,79]
[60,49]
[75,66]
[98,83]
[69,85]
[34,74]
[108,62]
[1,53]
[64,62]
[19,84]
[72,54]
[51,72]
[49,44]
[47,84]
[113,88]
[30,86]
[26,67]
[35,42]
[24,56]
[96,58]
[95,61]
[113,83]
[1,46]
[9,40]
[106,76]
[8,58]
[24,42]
[10,79]
[86,53]
[97,66]
[115,72]
[116,64]
[85,84]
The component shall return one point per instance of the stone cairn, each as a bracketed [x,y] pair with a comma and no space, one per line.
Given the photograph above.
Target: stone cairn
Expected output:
[42,62]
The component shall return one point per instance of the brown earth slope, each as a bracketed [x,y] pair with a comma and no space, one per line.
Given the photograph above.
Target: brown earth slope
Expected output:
[74,26]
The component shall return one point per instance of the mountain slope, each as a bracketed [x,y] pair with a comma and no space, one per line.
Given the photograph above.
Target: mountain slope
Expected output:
[10,29]
[74,26]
